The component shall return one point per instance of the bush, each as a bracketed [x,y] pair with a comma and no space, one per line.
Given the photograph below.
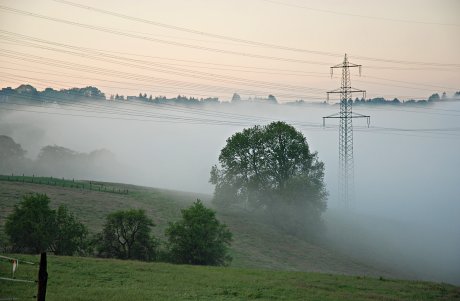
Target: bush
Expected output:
[198,238]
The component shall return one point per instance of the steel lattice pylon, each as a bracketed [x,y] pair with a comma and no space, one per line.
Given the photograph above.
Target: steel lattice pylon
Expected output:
[346,115]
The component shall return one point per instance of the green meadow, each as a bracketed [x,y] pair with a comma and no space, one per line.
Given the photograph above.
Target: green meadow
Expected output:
[267,264]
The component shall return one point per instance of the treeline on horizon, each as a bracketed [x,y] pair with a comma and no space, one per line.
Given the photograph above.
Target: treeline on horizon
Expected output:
[26,92]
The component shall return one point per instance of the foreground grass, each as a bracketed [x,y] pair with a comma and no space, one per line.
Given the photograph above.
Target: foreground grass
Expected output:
[76,278]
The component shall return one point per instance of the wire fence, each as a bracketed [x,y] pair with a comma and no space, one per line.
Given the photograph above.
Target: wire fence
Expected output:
[18,278]
[62,182]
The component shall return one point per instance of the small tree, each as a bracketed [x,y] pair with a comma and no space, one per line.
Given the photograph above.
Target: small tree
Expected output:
[126,235]
[198,238]
[71,234]
[31,226]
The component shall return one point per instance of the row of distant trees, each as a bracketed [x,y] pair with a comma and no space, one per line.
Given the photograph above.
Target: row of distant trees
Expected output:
[395,101]
[54,159]
[30,93]
[197,238]
[179,99]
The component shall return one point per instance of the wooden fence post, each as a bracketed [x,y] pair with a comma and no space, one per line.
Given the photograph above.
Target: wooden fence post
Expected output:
[42,278]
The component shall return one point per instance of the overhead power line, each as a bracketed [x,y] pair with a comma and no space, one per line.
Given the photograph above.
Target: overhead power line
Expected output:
[147,65]
[126,115]
[135,36]
[216,50]
[201,64]
[26,40]
[256,43]
[129,86]
[192,31]
[113,108]
[355,15]
[101,55]
[152,80]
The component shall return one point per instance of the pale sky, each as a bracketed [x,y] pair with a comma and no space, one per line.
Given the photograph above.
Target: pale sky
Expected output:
[140,56]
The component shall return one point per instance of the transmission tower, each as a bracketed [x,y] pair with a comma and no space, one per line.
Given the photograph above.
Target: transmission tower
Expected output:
[346,115]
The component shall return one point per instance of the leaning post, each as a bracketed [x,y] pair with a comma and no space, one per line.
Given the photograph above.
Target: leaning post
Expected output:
[42,278]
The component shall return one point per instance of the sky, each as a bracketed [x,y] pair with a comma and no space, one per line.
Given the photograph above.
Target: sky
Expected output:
[205,48]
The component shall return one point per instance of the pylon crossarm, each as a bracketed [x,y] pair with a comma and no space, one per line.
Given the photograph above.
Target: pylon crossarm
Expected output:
[330,116]
[346,117]
[336,115]
[349,65]
[357,115]
[336,91]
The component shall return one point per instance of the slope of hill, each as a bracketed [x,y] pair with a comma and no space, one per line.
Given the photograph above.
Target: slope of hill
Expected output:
[256,244]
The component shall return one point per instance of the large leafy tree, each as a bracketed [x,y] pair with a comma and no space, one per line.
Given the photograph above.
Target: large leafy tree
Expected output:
[31,225]
[34,227]
[271,168]
[127,235]
[198,238]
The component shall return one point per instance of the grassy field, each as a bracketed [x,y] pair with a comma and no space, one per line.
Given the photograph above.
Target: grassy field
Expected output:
[71,183]
[76,278]
[256,244]
[267,264]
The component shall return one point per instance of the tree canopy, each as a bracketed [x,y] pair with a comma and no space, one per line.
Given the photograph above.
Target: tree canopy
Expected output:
[126,235]
[199,238]
[33,227]
[271,168]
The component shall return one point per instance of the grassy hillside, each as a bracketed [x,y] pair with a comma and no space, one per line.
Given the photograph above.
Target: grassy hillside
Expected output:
[74,278]
[256,244]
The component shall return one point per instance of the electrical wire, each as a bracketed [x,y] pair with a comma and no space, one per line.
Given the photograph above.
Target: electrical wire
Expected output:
[250,42]
[117,32]
[191,73]
[351,15]
[150,79]
[135,36]
[146,65]
[244,120]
